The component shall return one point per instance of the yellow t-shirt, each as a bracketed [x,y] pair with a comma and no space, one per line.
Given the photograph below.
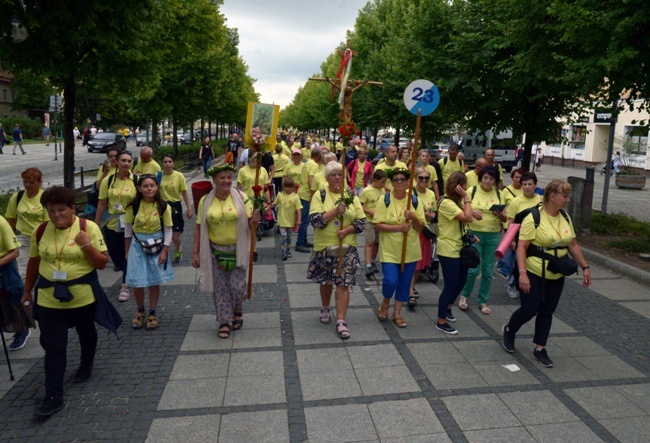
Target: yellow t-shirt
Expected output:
[510,193]
[369,198]
[427,200]
[147,220]
[59,252]
[280,161]
[150,167]
[246,177]
[358,182]
[319,182]
[339,147]
[390,243]
[287,205]
[221,218]
[522,202]
[482,201]
[306,154]
[286,150]
[447,167]
[327,236]
[100,172]
[172,185]
[498,166]
[29,213]
[118,196]
[311,168]
[472,179]
[450,237]
[383,166]
[552,231]
[292,170]
[8,240]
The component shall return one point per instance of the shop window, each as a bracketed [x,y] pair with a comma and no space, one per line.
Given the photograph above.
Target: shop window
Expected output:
[636,139]
[578,136]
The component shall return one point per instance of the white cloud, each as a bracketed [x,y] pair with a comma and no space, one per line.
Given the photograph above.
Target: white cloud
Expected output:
[284,42]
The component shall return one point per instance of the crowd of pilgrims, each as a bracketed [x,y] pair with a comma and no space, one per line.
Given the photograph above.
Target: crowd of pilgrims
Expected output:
[49,256]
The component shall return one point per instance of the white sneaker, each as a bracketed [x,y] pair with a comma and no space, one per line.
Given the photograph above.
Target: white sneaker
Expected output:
[512,292]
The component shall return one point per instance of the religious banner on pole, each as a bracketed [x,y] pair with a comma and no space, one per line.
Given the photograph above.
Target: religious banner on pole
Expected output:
[265,117]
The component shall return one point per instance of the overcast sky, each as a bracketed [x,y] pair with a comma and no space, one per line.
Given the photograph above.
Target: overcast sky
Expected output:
[284,42]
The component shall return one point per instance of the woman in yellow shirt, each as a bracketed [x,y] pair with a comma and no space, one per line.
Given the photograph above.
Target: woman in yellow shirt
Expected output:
[486,226]
[148,221]
[62,267]
[540,289]
[392,220]
[454,211]
[246,176]
[221,248]
[115,194]
[334,221]
[280,161]
[427,198]
[172,187]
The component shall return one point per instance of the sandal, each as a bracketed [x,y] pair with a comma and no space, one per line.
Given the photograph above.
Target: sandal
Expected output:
[399,321]
[342,330]
[462,303]
[383,311]
[412,302]
[325,316]
[484,309]
[238,322]
[125,294]
[416,294]
[224,333]
[138,320]
[152,322]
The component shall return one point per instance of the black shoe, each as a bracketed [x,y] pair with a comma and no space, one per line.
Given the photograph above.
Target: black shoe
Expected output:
[284,257]
[309,245]
[255,257]
[412,303]
[542,356]
[369,272]
[117,269]
[303,249]
[449,316]
[50,406]
[446,328]
[83,374]
[508,341]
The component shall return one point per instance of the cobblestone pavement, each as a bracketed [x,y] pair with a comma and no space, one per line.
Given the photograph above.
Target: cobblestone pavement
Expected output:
[287,377]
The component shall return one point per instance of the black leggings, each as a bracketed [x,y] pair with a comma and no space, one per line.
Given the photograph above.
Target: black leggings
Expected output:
[54,324]
[116,249]
[541,301]
[454,276]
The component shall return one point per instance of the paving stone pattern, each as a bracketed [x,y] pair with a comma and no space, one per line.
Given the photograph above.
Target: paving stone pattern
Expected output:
[287,377]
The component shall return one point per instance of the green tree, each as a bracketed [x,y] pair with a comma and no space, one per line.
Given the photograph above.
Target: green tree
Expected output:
[33,92]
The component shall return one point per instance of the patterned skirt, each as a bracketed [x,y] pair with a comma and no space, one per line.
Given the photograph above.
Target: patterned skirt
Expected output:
[144,270]
[324,269]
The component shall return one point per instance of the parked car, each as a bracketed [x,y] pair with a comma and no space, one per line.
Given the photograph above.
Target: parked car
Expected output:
[143,139]
[402,142]
[187,137]
[386,142]
[104,140]
[441,150]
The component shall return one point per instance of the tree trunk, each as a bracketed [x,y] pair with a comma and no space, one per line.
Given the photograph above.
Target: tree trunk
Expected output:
[70,97]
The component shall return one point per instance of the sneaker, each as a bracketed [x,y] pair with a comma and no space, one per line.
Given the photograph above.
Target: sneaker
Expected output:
[450,316]
[50,406]
[446,328]
[284,257]
[178,256]
[508,340]
[512,292]
[289,254]
[542,356]
[83,374]
[369,271]
[20,339]
[303,249]
[309,244]
[375,269]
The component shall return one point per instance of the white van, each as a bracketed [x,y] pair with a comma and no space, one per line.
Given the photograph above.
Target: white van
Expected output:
[504,146]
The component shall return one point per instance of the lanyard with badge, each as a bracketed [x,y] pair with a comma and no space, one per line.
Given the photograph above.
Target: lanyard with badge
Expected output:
[60,275]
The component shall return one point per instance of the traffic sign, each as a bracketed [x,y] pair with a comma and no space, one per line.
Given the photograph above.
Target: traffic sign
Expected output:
[55,103]
[421,95]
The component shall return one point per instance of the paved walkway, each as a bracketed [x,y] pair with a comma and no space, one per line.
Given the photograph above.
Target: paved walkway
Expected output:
[286,377]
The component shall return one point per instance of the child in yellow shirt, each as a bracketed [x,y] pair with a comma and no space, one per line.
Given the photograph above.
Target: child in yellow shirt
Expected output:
[289,214]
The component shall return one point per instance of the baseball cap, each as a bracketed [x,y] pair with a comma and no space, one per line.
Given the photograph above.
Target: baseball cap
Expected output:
[296,151]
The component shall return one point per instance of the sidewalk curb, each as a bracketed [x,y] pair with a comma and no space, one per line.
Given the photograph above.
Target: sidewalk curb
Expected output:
[622,268]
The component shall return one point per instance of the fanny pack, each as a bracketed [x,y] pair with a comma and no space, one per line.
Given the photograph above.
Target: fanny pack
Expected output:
[151,246]
[333,251]
[558,265]
[227,261]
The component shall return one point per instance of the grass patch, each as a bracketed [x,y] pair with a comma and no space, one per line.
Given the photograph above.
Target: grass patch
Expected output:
[628,234]
[634,245]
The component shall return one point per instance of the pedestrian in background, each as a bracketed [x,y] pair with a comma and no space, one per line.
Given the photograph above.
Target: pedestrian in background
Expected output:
[3,138]
[172,187]
[206,154]
[17,135]
[46,134]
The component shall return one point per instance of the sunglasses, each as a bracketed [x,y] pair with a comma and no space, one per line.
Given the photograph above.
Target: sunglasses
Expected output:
[399,180]
[423,178]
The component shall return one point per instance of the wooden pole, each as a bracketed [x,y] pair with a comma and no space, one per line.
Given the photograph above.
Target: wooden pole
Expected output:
[253,237]
[343,183]
[414,157]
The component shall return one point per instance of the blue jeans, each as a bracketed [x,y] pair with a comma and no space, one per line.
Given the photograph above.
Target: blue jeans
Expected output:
[302,229]
[396,282]
[454,276]
[206,164]
[486,246]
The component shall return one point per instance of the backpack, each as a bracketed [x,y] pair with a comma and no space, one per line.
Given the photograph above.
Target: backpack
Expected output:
[444,162]
[40,230]
[474,188]
[134,178]
[19,197]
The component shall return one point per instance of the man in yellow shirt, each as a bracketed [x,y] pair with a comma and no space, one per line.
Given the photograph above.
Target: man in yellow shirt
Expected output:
[390,163]
[451,164]
[311,168]
[472,176]
[489,156]
[146,165]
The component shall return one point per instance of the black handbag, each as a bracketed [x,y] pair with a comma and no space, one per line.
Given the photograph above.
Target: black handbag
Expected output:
[469,257]
[562,265]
